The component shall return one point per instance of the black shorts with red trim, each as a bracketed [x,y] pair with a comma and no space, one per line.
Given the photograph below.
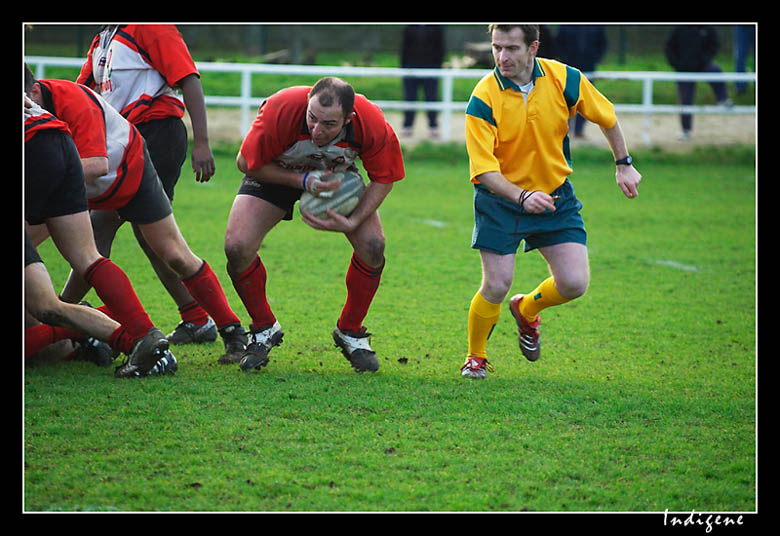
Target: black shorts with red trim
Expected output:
[53,177]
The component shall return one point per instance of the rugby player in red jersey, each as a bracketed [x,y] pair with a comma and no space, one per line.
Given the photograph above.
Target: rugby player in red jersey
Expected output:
[301,134]
[146,72]
[55,196]
[120,176]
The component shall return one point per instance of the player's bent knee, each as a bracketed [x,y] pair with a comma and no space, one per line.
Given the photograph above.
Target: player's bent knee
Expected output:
[572,289]
[239,256]
[374,252]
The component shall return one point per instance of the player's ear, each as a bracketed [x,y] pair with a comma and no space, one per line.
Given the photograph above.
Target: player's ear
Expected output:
[349,118]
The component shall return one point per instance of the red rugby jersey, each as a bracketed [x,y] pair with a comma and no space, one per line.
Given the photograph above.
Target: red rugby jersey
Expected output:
[279,134]
[37,119]
[98,130]
[135,68]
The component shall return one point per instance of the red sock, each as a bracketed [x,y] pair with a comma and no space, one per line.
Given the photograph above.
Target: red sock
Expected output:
[362,284]
[36,338]
[250,287]
[193,313]
[205,288]
[115,290]
[122,340]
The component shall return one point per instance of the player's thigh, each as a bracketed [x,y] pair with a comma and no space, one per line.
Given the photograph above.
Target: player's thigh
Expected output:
[368,241]
[250,220]
[72,234]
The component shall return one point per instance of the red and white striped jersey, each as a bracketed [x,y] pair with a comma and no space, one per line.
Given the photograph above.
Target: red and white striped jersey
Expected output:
[37,119]
[279,134]
[98,130]
[136,68]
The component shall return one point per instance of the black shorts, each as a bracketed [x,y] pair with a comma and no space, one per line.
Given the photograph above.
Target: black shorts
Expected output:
[283,197]
[166,140]
[53,177]
[149,204]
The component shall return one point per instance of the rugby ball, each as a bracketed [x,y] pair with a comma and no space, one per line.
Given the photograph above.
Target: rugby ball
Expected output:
[343,201]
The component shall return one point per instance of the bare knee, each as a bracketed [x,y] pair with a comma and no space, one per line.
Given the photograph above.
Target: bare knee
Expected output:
[373,252]
[239,256]
[494,289]
[572,287]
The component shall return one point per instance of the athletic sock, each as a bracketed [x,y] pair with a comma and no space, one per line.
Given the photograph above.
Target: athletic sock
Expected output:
[483,316]
[193,313]
[38,337]
[205,288]
[122,341]
[250,286]
[115,290]
[362,284]
[544,296]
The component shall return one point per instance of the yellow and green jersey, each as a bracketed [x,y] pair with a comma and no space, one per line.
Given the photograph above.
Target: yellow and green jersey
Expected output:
[526,139]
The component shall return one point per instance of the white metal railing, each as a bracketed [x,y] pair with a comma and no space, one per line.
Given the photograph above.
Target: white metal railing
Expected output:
[248,103]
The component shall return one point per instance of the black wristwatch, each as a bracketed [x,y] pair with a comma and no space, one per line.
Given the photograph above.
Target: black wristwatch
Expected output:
[627,161]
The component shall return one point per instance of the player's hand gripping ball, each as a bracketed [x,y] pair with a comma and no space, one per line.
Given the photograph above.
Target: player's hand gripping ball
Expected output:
[343,201]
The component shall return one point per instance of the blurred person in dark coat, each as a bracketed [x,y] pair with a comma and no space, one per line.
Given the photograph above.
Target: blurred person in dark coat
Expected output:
[582,46]
[692,48]
[422,46]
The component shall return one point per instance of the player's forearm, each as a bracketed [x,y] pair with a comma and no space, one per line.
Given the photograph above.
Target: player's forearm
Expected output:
[616,140]
[375,194]
[271,173]
[94,167]
[192,93]
[499,185]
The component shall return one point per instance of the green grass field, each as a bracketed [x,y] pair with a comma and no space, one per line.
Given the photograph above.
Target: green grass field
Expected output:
[644,398]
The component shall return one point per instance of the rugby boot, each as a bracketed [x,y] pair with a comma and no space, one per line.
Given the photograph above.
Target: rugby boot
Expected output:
[356,348]
[527,332]
[476,368]
[167,364]
[94,351]
[260,343]
[187,332]
[144,355]
[235,338]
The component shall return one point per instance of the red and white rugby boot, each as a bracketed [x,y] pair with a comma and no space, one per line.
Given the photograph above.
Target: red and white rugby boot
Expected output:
[528,332]
[476,368]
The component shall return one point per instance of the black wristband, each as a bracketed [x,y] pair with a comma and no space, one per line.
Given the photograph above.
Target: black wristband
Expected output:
[524,197]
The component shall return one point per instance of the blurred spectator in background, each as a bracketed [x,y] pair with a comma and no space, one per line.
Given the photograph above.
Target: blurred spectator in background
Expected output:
[581,46]
[692,48]
[547,46]
[744,46]
[422,46]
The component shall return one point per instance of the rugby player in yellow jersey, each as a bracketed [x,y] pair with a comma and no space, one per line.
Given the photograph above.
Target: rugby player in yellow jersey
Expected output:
[516,138]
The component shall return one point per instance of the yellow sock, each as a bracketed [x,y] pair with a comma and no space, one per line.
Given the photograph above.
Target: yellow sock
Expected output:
[483,316]
[543,296]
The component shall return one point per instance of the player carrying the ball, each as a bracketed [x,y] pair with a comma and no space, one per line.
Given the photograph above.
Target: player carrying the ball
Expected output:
[516,138]
[301,135]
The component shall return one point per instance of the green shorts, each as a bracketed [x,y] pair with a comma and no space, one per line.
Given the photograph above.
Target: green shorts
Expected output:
[500,225]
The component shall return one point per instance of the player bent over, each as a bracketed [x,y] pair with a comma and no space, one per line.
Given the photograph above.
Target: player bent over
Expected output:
[299,131]
[56,196]
[120,176]
[138,69]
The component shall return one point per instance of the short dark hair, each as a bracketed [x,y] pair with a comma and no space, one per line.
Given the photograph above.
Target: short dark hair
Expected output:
[530,31]
[331,89]
[29,79]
